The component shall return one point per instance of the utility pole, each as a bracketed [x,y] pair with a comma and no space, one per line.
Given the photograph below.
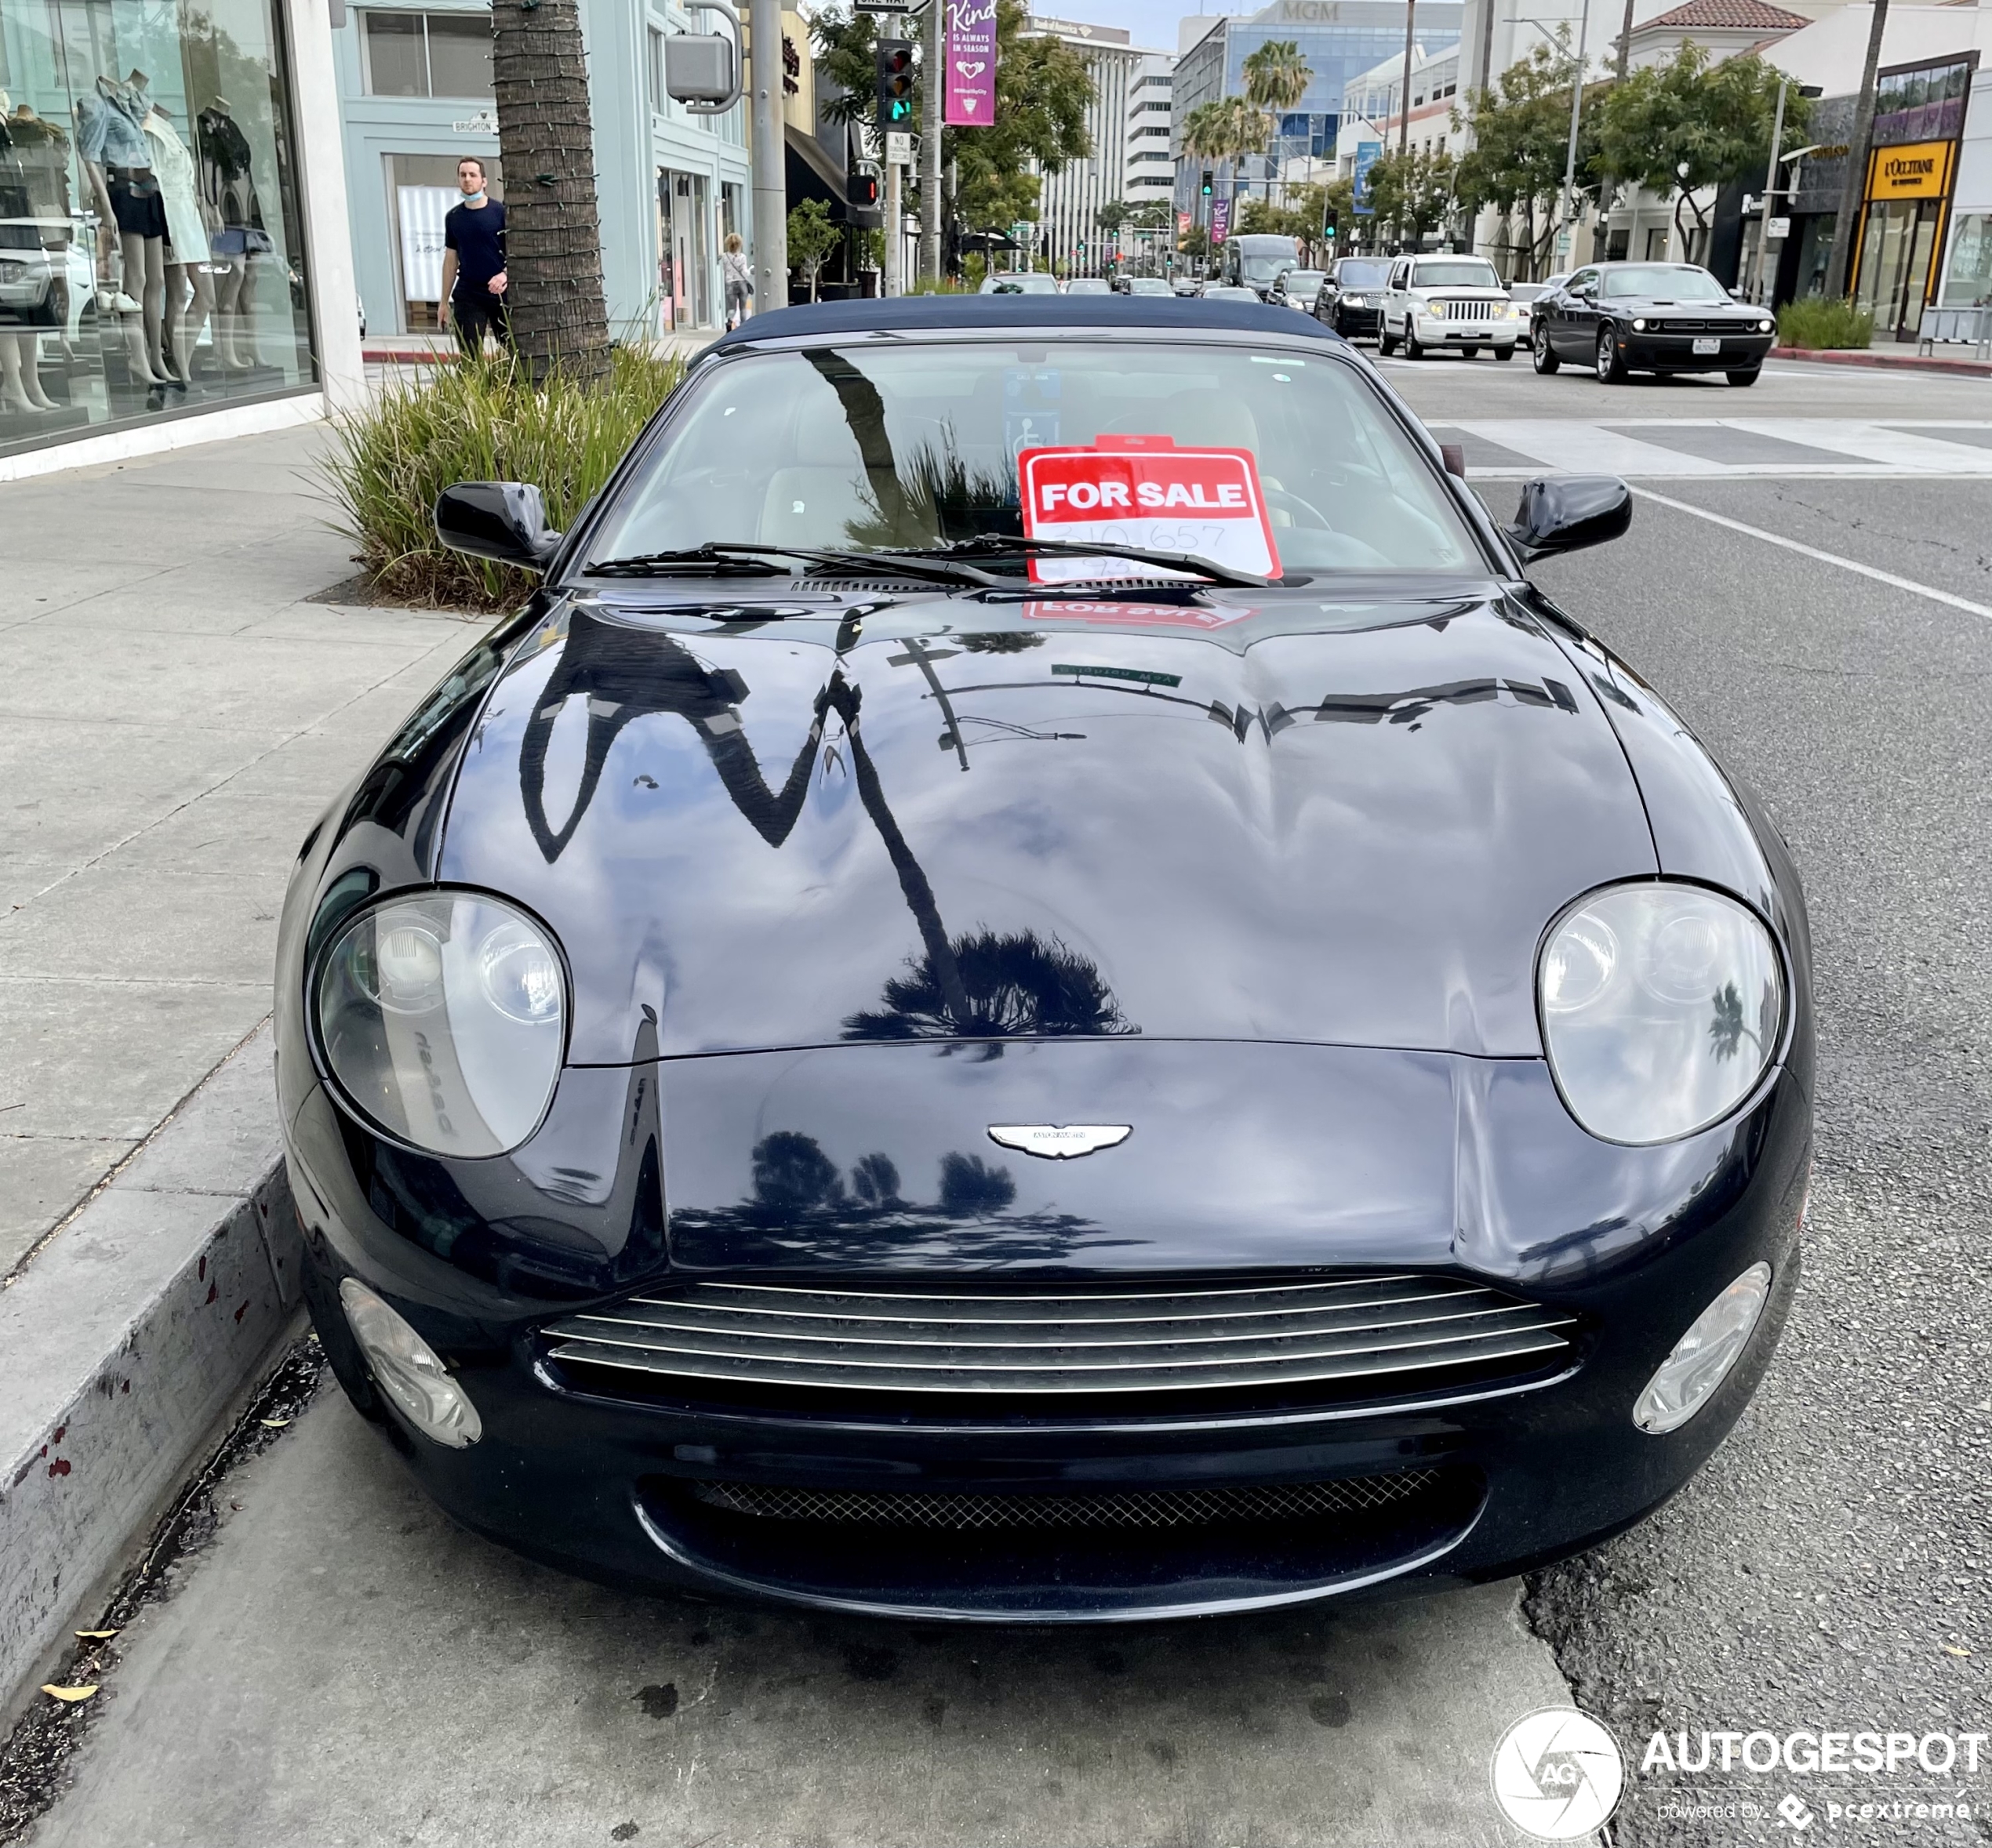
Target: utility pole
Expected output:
[894,284]
[1770,189]
[765,147]
[1853,189]
[932,90]
[1625,42]
[1577,107]
[1404,111]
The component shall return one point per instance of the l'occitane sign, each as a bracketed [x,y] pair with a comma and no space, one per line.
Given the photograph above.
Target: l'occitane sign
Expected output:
[1920,171]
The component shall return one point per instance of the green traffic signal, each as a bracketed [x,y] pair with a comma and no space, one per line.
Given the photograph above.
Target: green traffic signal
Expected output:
[892,65]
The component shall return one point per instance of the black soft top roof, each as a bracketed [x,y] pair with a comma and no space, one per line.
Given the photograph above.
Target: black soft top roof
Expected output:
[983,313]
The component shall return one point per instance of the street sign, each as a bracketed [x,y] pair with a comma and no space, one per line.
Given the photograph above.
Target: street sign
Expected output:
[1220,220]
[886,5]
[1778,227]
[968,46]
[899,148]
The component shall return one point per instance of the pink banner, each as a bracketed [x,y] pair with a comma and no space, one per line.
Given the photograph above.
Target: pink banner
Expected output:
[968,50]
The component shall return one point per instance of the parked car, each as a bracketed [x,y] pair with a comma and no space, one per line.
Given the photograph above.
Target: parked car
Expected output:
[1623,318]
[742,1149]
[1351,299]
[1298,288]
[1433,303]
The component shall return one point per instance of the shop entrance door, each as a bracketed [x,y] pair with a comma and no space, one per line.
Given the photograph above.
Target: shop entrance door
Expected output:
[1895,263]
[685,259]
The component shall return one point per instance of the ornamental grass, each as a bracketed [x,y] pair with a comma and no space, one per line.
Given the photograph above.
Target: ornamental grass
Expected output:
[1823,325]
[478,421]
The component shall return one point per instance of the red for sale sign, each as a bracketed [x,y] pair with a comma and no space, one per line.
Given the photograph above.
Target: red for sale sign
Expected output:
[1143,491]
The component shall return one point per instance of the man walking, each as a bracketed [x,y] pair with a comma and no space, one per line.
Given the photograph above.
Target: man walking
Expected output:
[474,264]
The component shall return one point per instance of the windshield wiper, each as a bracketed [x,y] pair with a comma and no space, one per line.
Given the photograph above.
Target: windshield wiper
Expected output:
[729,557]
[993,546]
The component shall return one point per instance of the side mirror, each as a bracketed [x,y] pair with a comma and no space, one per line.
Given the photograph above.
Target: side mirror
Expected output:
[506,521]
[1565,513]
[1736,295]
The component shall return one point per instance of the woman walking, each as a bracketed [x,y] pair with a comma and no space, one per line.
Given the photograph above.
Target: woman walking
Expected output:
[739,282]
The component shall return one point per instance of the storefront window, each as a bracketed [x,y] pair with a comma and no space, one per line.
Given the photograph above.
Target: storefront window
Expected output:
[427,54]
[152,259]
[1968,280]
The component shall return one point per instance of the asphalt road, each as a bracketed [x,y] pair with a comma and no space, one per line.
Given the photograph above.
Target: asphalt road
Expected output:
[341,1666]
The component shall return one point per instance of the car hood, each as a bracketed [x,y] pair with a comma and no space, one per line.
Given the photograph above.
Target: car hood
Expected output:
[1319,823]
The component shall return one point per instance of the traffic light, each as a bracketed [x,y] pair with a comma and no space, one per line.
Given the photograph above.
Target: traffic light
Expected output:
[1206,182]
[863,191]
[893,59]
[1328,225]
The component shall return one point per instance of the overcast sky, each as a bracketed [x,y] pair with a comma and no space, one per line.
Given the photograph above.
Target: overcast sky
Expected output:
[1152,22]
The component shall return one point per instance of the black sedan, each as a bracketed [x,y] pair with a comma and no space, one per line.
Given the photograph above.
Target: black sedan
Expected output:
[1038,985]
[1351,300]
[1621,318]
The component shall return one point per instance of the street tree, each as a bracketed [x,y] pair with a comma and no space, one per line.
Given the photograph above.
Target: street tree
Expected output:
[553,231]
[1043,87]
[812,237]
[1226,129]
[1686,126]
[1276,77]
[1521,130]
[1414,191]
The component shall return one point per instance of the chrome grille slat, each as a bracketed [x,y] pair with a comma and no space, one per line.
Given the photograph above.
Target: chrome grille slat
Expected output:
[1185,1341]
[937,1336]
[1105,1508]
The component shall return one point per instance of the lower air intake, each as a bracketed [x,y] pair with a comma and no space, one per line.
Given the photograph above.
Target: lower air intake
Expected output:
[1139,1509]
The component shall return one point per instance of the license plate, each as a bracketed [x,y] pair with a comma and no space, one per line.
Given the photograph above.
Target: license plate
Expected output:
[1708,346]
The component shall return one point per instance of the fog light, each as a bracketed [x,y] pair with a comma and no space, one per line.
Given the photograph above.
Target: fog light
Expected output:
[1703,1357]
[410,1371]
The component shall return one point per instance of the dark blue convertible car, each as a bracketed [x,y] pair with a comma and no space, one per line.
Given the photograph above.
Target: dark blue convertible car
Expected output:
[1038,986]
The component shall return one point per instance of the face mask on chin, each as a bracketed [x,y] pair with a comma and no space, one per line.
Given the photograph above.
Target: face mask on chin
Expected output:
[475,200]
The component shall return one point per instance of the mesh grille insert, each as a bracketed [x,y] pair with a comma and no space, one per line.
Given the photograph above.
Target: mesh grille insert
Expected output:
[1137,1509]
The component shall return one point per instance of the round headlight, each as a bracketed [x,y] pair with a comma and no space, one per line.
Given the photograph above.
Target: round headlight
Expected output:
[1767,327]
[1661,1006]
[1639,325]
[443,1019]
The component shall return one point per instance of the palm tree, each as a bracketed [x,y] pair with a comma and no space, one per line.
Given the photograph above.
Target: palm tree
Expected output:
[552,234]
[1276,78]
[1226,129]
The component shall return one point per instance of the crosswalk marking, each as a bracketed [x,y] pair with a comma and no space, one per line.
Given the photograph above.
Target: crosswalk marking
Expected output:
[1705,448]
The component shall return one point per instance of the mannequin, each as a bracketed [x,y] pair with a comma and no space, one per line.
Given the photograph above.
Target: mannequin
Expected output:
[21,349]
[229,201]
[190,290]
[118,156]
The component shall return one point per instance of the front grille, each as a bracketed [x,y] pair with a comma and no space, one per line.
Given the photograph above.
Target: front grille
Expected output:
[1465,310]
[1696,327]
[1139,1508]
[1160,1346]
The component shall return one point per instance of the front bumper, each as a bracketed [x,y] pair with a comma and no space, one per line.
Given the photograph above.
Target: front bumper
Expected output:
[1432,331]
[607,1485]
[1675,353]
[1355,323]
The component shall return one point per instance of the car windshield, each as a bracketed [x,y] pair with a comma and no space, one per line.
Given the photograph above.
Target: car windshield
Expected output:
[1088,286]
[1303,281]
[915,443]
[1230,291]
[1149,285]
[1355,275]
[1265,269]
[1024,282]
[1465,272]
[1665,282]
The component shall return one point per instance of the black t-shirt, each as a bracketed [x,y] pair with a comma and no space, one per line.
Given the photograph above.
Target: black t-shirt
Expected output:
[478,238]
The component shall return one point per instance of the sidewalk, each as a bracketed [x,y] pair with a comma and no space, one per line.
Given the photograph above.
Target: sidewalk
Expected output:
[1960,362]
[174,714]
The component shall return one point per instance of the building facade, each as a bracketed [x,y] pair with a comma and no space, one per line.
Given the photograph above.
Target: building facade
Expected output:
[171,242]
[416,96]
[1338,41]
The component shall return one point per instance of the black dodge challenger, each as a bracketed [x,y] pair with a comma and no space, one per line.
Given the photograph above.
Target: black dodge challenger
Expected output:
[1038,986]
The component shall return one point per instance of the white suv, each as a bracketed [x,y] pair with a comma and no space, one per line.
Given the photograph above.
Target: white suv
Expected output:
[1432,302]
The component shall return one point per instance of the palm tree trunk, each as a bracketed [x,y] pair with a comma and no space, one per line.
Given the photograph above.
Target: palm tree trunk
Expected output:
[553,235]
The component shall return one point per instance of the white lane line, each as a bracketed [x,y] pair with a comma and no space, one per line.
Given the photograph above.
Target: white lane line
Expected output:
[1793,545]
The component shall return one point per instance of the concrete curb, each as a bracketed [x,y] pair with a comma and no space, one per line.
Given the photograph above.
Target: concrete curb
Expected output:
[1904,362]
[127,1337]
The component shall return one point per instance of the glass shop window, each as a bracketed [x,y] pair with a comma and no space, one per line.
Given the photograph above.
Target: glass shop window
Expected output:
[427,54]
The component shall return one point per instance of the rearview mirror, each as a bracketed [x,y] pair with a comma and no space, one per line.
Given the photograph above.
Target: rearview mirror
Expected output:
[1565,513]
[506,521]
